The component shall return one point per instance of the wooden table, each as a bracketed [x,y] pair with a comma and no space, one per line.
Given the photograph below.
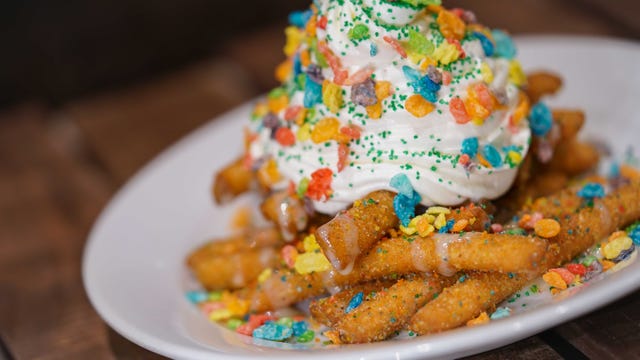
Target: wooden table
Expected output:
[59,167]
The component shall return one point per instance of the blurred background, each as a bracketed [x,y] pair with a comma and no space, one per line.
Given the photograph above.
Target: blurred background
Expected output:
[58,50]
[92,90]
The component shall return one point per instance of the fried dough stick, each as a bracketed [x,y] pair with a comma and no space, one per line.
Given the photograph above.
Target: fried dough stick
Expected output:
[465,300]
[354,231]
[570,121]
[542,83]
[386,312]
[329,310]
[233,180]
[399,256]
[580,229]
[283,288]
[448,253]
[250,239]
[573,157]
[351,234]
[569,158]
[286,211]
[565,201]
[235,270]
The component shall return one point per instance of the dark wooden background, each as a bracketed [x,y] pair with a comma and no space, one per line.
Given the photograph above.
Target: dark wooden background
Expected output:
[90,91]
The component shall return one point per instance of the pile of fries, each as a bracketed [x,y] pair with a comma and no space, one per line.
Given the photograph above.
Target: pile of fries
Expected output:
[386,278]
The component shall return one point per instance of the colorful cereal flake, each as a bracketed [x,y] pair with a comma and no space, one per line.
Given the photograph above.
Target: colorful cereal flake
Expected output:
[504,46]
[405,206]
[470,146]
[540,119]
[355,301]
[601,258]
[591,191]
[547,228]
[501,312]
[272,331]
[325,130]
[451,26]
[269,327]
[418,106]
[459,111]
[402,184]
[332,96]
[312,260]
[319,187]
[634,233]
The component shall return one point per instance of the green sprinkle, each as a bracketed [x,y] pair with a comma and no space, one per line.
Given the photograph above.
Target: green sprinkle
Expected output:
[215,295]
[306,336]
[359,32]
[233,324]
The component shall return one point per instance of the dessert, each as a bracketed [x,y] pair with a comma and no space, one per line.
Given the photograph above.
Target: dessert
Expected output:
[412,179]
[375,88]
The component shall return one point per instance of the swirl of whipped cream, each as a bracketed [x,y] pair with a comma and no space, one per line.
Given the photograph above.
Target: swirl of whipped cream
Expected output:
[428,149]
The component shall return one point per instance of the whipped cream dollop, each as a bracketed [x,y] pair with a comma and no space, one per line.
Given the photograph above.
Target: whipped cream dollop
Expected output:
[374,88]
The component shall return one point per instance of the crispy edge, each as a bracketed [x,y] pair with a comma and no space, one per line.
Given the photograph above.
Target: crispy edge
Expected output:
[236,270]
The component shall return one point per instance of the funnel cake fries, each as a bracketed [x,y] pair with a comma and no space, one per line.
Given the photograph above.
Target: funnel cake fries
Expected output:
[573,157]
[557,159]
[404,95]
[282,288]
[446,253]
[248,240]
[236,270]
[354,231]
[287,212]
[235,179]
[373,216]
[387,311]
[329,310]
[236,261]
[581,227]
[542,83]
[465,300]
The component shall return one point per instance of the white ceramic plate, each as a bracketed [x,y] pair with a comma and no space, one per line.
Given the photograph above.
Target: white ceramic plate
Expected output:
[133,266]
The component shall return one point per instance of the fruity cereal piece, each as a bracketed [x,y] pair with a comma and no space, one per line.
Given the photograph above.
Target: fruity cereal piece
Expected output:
[319,187]
[451,26]
[418,106]
[546,228]
[459,111]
